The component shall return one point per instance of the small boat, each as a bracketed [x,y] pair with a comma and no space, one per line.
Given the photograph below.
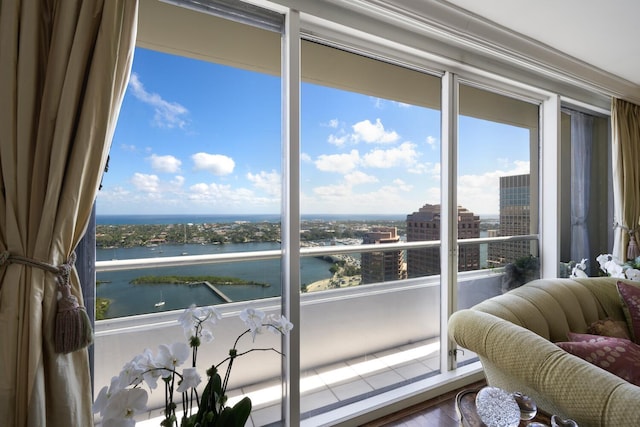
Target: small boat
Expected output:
[161,302]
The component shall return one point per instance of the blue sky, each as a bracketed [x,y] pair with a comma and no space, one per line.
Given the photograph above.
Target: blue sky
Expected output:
[196,137]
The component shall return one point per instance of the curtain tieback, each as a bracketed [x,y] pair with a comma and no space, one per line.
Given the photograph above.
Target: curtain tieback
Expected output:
[73,329]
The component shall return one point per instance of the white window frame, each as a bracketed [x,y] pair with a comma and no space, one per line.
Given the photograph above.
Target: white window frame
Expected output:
[324,22]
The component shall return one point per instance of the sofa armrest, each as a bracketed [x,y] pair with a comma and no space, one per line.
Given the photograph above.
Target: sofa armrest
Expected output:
[517,359]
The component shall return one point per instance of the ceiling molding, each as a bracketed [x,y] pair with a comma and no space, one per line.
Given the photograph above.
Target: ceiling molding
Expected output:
[454,34]
[473,33]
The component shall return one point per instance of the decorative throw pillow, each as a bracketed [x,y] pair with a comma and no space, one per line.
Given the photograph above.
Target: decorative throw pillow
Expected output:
[619,356]
[609,328]
[630,296]
[575,337]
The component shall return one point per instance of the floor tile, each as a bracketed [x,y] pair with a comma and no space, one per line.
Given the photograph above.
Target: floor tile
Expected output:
[412,370]
[351,389]
[337,374]
[367,366]
[317,400]
[383,379]
[266,415]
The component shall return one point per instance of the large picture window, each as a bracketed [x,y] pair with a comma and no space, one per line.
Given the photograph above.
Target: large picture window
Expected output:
[497,190]
[370,150]
[196,207]
[194,169]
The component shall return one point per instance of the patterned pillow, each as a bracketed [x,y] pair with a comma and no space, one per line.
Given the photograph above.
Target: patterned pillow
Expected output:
[630,296]
[619,356]
[575,337]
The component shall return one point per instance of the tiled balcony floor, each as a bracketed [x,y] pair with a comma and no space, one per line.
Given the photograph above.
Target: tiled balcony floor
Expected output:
[332,386]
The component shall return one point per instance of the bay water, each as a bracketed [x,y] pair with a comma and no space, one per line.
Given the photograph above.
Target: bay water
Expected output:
[128,299]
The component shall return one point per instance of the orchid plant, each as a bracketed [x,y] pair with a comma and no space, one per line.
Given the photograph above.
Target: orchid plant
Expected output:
[609,266]
[125,397]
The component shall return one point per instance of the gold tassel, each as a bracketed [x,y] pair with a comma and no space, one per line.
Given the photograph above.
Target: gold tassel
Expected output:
[73,327]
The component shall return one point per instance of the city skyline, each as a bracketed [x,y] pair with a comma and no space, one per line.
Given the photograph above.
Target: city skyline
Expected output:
[210,143]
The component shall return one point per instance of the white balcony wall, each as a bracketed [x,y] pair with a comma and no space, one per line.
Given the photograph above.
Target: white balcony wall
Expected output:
[339,324]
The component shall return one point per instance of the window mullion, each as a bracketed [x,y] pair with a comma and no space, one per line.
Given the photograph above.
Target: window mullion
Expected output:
[291,216]
[448,219]
[549,190]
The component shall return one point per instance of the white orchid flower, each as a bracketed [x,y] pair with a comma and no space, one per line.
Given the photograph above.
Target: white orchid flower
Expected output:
[187,317]
[172,357]
[194,316]
[190,379]
[206,335]
[633,274]
[131,374]
[149,366]
[614,269]
[253,319]
[578,273]
[104,395]
[208,314]
[580,269]
[279,324]
[123,406]
[602,260]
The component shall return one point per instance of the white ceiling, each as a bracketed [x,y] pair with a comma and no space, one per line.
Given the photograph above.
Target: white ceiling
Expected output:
[605,34]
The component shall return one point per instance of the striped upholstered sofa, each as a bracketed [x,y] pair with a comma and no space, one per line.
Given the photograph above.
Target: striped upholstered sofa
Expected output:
[514,334]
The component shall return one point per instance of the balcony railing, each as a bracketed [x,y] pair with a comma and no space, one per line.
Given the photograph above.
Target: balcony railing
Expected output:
[337,325]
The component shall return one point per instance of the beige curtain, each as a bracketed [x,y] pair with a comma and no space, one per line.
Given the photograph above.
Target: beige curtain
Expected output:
[626,174]
[64,66]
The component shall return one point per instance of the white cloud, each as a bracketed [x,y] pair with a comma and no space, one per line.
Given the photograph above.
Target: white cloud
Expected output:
[358,177]
[401,185]
[338,141]
[333,193]
[167,114]
[166,164]
[435,171]
[481,193]
[341,163]
[228,198]
[340,198]
[269,182]
[432,142]
[373,133]
[152,186]
[145,182]
[521,167]
[361,131]
[402,155]
[428,168]
[128,147]
[210,190]
[200,188]
[217,164]
[178,181]
[304,157]
[117,194]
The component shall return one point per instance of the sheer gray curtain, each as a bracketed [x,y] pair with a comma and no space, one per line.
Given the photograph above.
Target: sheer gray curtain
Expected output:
[581,142]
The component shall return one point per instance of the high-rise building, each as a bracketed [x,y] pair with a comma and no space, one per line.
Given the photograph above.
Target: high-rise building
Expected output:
[382,266]
[515,220]
[425,225]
